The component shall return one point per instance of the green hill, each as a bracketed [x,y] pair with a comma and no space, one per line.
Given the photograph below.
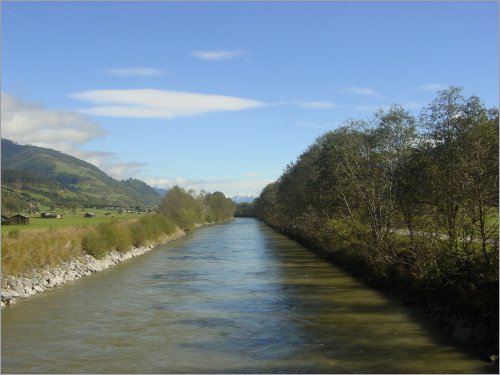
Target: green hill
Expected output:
[52,178]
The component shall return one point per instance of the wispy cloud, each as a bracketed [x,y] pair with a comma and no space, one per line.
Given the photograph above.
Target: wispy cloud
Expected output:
[432,87]
[138,71]
[65,131]
[364,91]
[319,105]
[217,55]
[229,187]
[124,170]
[148,103]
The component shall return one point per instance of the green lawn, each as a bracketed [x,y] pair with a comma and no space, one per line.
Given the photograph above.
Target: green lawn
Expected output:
[70,220]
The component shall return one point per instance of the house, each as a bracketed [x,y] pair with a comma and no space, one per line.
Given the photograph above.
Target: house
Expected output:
[5,220]
[19,219]
[89,214]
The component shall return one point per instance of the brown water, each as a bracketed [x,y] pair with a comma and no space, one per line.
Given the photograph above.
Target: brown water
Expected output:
[231,298]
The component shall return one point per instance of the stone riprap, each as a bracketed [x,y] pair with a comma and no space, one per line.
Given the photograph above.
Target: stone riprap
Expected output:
[14,288]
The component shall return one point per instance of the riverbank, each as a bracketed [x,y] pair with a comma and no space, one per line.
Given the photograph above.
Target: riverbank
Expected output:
[39,280]
[448,306]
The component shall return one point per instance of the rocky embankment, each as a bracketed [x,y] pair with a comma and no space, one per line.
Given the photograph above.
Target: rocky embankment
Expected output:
[24,286]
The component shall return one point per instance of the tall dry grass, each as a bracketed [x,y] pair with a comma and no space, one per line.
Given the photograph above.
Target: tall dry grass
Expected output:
[23,251]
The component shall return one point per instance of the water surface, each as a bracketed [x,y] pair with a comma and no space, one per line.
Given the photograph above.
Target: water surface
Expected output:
[231,298]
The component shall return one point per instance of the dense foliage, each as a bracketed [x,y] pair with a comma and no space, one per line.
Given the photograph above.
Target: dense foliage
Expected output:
[402,200]
[186,209]
[245,209]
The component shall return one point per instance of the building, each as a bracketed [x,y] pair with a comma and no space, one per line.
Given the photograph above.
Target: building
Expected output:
[5,220]
[89,214]
[19,219]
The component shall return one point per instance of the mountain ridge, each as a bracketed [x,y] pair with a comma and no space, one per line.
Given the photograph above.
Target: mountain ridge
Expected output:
[53,178]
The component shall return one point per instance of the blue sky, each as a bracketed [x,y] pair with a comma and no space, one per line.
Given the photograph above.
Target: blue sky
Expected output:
[222,96]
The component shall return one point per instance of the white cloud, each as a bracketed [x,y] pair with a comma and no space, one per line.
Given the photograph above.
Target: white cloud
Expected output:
[319,105]
[138,71]
[149,103]
[217,55]
[123,170]
[229,187]
[28,123]
[31,123]
[432,87]
[364,91]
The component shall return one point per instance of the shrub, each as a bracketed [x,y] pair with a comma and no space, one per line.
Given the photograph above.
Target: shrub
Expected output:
[94,244]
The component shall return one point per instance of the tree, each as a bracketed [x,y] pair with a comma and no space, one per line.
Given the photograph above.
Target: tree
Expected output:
[217,207]
[182,208]
[442,120]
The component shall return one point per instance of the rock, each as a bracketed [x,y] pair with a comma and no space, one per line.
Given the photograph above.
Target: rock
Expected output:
[38,288]
[8,295]
[18,288]
[39,280]
[55,280]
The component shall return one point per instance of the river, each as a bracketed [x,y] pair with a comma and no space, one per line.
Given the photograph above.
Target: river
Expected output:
[231,298]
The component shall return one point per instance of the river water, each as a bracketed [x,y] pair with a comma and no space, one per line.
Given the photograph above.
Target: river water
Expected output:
[231,298]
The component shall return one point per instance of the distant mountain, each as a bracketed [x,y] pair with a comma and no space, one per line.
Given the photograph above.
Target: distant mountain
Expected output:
[31,173]
[240,198]
[160,191]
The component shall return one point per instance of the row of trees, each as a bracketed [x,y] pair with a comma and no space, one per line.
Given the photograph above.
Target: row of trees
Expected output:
[187,209]
[400,195]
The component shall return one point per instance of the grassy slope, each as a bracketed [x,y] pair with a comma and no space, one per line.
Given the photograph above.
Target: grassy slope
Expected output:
[66,180]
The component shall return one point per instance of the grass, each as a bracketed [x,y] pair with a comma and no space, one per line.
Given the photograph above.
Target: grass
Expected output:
[70,220]
[23,251]
[28,249]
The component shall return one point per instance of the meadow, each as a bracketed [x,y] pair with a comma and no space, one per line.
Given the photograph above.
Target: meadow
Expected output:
[71,220]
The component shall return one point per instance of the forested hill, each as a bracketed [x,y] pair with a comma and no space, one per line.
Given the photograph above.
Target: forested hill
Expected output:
[31,173]
[405,202]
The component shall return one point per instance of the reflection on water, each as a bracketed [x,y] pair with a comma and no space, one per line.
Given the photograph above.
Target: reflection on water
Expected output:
[231,298]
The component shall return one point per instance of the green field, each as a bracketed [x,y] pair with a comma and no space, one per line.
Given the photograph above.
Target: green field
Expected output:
[71,220]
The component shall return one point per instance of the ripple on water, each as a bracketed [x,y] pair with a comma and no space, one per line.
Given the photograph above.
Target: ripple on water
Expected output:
[232,298]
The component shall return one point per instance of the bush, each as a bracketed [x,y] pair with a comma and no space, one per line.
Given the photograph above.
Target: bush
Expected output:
[94,244]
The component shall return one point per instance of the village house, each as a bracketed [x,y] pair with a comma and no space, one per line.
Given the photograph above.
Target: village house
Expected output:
[19,219]
[89,214]
[5,220]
